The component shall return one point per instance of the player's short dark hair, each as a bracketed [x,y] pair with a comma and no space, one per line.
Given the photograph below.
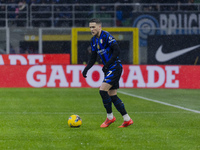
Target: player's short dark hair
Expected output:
[97,21]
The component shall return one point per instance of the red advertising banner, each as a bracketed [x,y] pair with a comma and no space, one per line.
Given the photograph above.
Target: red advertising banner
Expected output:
[134,76]
[34,59]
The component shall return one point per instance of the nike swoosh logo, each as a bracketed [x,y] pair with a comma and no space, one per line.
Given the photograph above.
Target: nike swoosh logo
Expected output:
[162,57]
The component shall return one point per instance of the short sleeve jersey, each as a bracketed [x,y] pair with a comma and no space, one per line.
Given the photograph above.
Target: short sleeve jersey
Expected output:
[102,46]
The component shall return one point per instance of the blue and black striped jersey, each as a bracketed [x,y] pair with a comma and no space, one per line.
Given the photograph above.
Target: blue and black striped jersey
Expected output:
[103,46]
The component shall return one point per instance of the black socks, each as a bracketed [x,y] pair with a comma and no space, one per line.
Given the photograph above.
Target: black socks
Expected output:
[118,104]
[106,101]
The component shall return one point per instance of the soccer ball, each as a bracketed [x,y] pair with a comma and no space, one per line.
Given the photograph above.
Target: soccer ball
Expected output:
[74,121]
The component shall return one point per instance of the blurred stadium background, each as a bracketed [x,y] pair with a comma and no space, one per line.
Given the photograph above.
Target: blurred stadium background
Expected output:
[24,22]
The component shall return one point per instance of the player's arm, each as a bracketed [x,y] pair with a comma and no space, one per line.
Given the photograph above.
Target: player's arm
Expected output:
[116,50]
[90,63]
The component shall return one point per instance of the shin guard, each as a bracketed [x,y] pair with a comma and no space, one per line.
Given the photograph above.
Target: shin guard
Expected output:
[106,101]
[118,104]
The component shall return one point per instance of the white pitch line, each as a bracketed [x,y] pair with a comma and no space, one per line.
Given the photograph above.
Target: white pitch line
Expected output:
[156,101]
[81,113]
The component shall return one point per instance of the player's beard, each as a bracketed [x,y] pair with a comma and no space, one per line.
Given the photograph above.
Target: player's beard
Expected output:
[98,34]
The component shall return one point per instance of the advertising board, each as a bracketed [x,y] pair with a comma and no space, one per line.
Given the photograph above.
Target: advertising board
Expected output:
[173,49]
[69,76]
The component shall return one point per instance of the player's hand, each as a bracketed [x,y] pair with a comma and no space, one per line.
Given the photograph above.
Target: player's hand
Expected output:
[84,73]
[105,69]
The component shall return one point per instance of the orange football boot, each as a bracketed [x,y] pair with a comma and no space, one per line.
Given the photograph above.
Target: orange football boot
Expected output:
[107,122]
[126,123]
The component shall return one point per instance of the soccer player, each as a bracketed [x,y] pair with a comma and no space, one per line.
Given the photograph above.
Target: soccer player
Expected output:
[105,45]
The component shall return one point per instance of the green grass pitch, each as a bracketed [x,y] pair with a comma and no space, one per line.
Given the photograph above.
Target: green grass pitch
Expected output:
[36,119]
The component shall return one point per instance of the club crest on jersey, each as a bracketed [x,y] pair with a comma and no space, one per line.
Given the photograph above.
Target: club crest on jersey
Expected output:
[101,41]
[98,46]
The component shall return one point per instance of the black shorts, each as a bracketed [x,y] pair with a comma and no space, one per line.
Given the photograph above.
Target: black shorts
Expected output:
[113,75]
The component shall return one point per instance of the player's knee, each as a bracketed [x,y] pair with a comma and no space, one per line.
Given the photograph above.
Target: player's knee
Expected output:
[101,92]
[112,92]
[105,97]
[104,94]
